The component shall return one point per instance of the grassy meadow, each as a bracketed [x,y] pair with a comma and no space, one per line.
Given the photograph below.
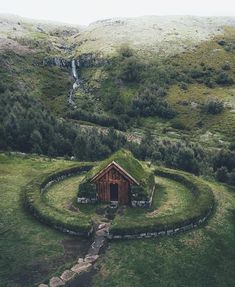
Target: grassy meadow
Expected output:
[29,251]
[204,257]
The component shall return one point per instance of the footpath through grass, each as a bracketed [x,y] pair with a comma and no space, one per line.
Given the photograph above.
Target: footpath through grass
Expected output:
[204,257]
[29,251]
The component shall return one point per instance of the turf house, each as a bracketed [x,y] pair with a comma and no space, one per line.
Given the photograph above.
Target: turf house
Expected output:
[119,179]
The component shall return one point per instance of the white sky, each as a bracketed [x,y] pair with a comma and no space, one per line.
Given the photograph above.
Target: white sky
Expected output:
[87,11]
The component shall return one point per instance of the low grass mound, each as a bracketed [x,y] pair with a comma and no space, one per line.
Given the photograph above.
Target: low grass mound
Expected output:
[62,219]
[180,199]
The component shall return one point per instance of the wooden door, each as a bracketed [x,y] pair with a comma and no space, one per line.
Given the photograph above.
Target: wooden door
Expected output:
[113,192]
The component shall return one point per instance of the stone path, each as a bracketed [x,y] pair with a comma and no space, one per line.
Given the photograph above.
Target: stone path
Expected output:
[85,264]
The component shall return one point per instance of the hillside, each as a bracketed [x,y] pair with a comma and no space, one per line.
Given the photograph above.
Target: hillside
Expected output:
[170,77]
[150,34]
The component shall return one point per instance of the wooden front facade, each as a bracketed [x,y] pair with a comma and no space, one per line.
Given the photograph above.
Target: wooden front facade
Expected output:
[114,184]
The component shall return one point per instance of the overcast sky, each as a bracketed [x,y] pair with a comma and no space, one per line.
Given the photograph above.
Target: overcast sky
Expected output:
[87,11]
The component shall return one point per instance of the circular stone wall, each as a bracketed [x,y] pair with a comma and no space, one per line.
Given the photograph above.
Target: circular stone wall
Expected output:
[181,202]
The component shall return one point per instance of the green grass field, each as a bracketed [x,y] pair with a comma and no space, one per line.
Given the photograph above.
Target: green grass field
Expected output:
[29,251]
[201,258]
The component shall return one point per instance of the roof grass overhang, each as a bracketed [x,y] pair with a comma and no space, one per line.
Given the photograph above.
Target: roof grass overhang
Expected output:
[124,161]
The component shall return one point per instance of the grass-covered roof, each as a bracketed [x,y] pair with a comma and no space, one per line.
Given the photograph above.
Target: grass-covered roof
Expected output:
[127,161]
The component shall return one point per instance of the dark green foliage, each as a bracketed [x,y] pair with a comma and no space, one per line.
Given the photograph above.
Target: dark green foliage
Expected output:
[224,79]
[138,193]
[100,119]
[125,51]
[226,66]
[221,42]
[183,86]
[224,158]
[28,127]
[224,166]
[222,174]
[150,103]
[87,190]
[187,156]
[228,45]
[179,125]
[213,107]
[131,68]
[176,154]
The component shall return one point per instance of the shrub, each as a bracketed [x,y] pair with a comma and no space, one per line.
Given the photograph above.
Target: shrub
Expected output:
[224,79]
[147,103]
[87,190]
[138,193]
[213,107]
[179,125]
[221,42]
[222,174]
[184,86]
[226,66]
[125,51]
[130,70]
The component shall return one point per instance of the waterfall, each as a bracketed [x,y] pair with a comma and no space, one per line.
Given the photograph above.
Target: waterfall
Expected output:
[74,70]
[75,84]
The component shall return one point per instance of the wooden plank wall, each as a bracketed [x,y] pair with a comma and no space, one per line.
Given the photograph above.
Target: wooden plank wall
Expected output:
[103,186]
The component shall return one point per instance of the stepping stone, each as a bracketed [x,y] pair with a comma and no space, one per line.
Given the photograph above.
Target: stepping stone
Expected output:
[80,260]
[102,232]
[81,267]
[43,285]
[67,275]
[56,282]
[91,258]
[101,226]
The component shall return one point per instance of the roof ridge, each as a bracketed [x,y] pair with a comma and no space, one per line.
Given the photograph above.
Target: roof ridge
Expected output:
[120,167]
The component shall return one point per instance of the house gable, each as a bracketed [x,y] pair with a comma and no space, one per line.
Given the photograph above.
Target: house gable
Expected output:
[119,169]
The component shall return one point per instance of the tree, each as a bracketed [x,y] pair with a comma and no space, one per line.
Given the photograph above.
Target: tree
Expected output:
[125,51]
[222,174]
[224,79]
[130,70]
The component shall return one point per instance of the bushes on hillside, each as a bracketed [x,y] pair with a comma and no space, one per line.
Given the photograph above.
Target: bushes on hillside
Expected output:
[151,103]
[213,107]
[100,119]
[224,79]
[187,156]
[26,126]
[131,68]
